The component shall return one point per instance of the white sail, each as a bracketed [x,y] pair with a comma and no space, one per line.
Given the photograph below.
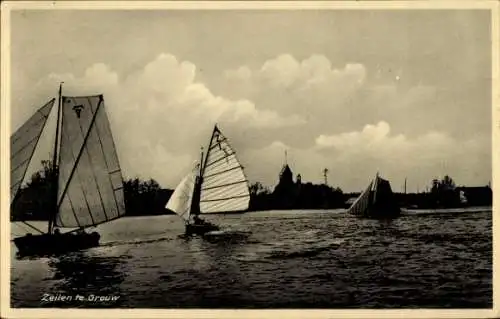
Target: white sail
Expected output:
[90,186]
[224,185]
[180,200]
[22,146]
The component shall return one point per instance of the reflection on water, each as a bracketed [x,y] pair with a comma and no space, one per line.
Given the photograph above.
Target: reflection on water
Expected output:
[92,277]
[286,259]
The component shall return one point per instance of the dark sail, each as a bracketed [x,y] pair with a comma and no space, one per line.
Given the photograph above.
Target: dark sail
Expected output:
[23,144]
[377,201]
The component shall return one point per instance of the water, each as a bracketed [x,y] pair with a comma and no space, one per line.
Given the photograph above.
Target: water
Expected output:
[296,259]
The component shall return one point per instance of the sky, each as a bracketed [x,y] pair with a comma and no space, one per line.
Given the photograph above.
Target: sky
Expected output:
[405,93]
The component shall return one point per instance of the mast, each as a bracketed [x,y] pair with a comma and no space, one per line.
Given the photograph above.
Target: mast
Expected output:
[55,167]
[195,199]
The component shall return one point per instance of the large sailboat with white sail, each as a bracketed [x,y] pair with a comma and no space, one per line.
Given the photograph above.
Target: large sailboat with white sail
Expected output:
[86,184]
[376,201]
[216,185]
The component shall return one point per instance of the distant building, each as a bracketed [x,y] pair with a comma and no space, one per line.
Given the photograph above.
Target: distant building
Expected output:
[286,191]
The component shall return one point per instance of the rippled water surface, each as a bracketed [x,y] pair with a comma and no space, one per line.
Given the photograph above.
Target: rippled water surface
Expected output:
[296,259]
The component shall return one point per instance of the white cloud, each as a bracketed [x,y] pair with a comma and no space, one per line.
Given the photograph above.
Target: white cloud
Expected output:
[161,115]
[352,158]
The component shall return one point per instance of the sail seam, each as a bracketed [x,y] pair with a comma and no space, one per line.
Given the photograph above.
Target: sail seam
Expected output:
[223,180]
[219,142]
[226,198]
[14,141]
[224,207]
[216,164]
[18,166]
[114,151]
[219,186]
[107,169]
[22,148]
[92,167]
[219,159]
[78,175]
[222,172]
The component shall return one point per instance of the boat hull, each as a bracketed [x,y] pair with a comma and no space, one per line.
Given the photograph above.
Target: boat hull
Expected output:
[200,229]
[51,244]
[374,213]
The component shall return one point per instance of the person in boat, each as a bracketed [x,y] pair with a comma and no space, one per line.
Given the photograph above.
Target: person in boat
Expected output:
[57,231]
[197,220]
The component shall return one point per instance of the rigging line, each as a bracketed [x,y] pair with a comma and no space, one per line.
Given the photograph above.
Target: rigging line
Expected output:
[77,160]
[14,185]
[79,179]
[221,199]
[219,159]
[219,142]
[21,133]
[24,146]
[79,154]
[26,223]
[204,166]
[236,158]
[18,166]
[57,215]
[69,196]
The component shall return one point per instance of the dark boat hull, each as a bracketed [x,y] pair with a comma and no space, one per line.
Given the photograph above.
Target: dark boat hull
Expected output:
[50,244]
[200,229]
[374,213]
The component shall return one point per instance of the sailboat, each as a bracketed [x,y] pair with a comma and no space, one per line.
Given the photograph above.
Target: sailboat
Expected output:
[217,184]
[376,201]
[86,188]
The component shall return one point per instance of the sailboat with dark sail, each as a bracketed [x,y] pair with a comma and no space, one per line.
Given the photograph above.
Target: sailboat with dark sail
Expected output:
[86,186]
[216,185]
[376,201]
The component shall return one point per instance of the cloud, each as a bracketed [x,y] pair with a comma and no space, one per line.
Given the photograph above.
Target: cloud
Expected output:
[160,115]
[331,98]
[326,116]
[354,157]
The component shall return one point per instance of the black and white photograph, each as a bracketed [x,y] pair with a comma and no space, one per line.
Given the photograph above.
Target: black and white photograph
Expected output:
[279,155]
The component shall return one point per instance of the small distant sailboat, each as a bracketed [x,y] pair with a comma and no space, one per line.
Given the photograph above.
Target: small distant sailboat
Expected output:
[87,184]
[376,201]
[217,185]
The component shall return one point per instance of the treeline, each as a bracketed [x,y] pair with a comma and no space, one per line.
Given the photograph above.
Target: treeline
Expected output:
[443,194]
[35,200]
[145,197]
[303,196]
